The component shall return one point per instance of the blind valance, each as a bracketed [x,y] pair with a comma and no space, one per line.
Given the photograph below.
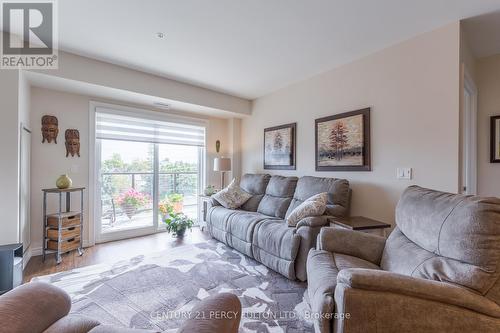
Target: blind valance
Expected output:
[116,126]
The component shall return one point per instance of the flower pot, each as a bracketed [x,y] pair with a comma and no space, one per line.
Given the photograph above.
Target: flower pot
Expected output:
[129,210]
[180,233]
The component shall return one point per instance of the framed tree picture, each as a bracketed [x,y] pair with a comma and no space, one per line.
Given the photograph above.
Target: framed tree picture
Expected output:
[279,147]
[343,142]
[495,139]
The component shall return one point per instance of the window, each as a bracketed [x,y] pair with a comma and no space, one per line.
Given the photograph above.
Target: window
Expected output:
[145,161]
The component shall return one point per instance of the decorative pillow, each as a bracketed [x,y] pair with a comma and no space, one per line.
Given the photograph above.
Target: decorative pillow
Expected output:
[314,206]
[232,196]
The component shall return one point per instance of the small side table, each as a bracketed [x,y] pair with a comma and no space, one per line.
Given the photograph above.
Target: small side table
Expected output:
[205,205]
[360,223]
[62,231]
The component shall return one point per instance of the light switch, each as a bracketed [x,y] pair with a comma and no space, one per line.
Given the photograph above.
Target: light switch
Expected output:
[404,173]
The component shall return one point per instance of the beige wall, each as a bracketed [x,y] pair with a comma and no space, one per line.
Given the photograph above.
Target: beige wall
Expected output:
[488,83]
[9,156]
[48,161]
[413,90]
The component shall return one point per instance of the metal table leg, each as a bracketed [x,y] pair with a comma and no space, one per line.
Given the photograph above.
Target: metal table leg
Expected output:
[59,236]
[44,242]
[80,249]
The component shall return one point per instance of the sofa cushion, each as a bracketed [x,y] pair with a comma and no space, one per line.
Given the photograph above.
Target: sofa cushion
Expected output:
[276,245]
[314,206]
[241,224]
[337,189]
[256,185]
[447,237]
[276,238]
[218,216]
[278,195]
[233,196]
[459,227]
[403,256]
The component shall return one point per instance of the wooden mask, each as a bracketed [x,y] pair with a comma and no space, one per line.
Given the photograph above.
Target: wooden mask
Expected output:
[50,129]
[72,142]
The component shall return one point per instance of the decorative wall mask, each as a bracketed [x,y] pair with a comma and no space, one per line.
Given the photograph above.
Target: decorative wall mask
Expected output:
[217,146]
[72,142]
[50,128]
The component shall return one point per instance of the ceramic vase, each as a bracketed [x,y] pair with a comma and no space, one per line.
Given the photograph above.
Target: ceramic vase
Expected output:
[64,182]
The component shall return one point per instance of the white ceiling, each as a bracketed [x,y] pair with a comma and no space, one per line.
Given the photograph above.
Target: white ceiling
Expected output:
[248,48]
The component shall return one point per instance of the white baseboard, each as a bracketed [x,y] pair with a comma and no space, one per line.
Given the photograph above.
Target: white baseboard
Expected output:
[26,257]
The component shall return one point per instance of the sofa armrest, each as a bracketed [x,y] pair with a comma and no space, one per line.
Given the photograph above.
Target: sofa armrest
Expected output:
[442,292]
[33,307]
[313,221]
[217,313]
[358,244]
[214,202]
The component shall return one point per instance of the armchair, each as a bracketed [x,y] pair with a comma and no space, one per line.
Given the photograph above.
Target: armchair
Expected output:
[439,270]
[43,308]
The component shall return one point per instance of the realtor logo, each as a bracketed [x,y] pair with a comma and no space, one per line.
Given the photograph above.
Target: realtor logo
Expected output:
[29,35]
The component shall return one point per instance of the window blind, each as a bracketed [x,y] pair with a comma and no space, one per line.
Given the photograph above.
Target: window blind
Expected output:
[115,126]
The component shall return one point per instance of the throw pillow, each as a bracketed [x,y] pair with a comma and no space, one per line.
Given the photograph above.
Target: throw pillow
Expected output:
[233,196]
[314,206]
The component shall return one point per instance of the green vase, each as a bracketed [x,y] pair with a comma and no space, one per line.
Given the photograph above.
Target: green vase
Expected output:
[63,182]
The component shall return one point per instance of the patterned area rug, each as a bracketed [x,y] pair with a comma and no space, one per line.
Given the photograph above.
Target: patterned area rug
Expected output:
[156,291]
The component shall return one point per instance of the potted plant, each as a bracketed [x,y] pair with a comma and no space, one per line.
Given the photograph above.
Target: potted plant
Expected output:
[177,201]
[178,223]
[209,190]
[131,200]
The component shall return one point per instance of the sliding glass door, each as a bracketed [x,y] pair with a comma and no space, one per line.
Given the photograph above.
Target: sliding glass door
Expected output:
[143,166]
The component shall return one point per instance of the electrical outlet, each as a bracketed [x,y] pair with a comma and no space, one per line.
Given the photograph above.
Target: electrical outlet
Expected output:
[404,173]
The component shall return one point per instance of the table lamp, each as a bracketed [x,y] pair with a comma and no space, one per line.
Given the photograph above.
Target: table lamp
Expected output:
[222,164]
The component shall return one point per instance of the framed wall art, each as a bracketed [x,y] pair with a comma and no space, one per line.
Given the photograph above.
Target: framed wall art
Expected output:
[495,139]
[343,142]
[279,147]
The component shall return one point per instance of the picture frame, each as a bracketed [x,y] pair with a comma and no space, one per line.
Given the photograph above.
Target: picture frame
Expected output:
[279,147]
[342,142]
[495,140]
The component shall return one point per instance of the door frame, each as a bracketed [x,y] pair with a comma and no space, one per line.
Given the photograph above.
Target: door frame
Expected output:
[469,136]
[94,149]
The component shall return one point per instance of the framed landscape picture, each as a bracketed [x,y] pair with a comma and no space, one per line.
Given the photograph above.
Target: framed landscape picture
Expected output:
[279,147]
[343,142]
[495,139]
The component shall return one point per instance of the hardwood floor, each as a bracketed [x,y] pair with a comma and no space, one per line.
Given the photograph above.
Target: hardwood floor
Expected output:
[111,251]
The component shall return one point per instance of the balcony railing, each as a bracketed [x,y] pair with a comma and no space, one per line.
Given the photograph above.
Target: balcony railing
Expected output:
[175,175]
[115,183]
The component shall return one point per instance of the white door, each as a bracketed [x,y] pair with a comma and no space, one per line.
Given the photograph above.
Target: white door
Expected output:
[24,189]
[469,138]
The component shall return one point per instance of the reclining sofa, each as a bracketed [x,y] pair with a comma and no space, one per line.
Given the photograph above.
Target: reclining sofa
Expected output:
[258,229]
[439,270]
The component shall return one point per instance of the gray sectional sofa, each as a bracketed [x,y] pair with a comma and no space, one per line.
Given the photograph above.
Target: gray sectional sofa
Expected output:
[259,230]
